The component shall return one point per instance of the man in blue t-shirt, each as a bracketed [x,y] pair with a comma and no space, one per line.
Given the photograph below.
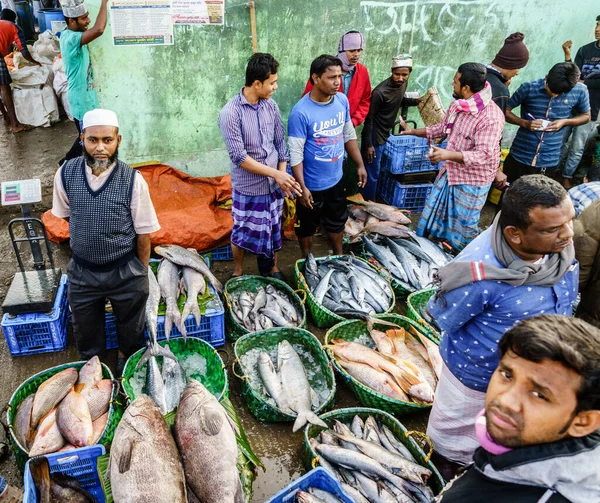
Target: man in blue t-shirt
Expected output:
[320,130]
[81,92]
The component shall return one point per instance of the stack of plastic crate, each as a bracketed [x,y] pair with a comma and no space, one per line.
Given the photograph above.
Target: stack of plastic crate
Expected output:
[406,172]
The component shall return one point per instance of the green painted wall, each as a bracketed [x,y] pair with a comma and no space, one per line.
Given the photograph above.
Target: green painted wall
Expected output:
[168,98]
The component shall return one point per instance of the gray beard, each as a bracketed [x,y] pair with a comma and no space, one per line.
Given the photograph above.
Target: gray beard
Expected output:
[99,165]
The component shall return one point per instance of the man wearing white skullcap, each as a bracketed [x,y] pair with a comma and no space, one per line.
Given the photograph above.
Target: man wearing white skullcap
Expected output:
[111,216]
[81,92]
[387,99]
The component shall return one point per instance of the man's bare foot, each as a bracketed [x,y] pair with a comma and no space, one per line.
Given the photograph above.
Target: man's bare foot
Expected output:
[21,127]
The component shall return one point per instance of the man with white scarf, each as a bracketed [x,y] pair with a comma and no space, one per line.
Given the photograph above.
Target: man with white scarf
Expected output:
[111,216]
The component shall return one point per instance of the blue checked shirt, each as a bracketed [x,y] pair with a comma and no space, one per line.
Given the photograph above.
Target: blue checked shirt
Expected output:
[583,195]
[538,148]
[476,315]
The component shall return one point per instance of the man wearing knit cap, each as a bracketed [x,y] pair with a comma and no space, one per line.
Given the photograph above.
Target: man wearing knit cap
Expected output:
[386,101]
[81,92]
[355,82]
[588,61]
[110,216]
[506,65]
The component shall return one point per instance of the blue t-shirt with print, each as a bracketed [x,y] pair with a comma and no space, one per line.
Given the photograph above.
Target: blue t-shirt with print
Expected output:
[322,128]
[474,317]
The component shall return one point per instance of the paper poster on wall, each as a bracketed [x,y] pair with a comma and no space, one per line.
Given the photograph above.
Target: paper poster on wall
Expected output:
[141,22]
[198,11]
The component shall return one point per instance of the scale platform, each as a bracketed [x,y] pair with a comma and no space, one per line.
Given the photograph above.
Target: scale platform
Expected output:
[32,292]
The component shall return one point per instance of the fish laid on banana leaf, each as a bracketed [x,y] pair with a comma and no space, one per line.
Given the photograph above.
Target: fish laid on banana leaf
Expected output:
[68,410]
[371,464]
[347,286]
[412,260]
[267,308]
[404,366]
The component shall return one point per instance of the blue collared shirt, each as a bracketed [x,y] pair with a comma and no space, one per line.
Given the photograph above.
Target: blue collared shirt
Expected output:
[583,195]
[538,148]
[347,80]
[476,315]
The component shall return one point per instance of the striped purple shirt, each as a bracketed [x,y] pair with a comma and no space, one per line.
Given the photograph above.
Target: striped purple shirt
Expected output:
[254,131]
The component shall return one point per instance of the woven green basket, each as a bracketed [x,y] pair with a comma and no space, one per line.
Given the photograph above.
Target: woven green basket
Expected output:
[323,317]
[414,302]
[353,329]
[252,284]
[215,379]
[31,385]
[267,340]
[311,458]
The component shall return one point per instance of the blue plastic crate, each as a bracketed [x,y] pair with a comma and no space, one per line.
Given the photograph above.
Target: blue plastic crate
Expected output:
[317,478]
[211,329]
[78,463]
[33,333]
[406,197]
[221,253]
[408,154]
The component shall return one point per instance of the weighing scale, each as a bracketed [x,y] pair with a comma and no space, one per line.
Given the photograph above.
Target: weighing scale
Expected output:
[30,291]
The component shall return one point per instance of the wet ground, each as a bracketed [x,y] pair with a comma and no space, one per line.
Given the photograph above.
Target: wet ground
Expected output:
[35,154]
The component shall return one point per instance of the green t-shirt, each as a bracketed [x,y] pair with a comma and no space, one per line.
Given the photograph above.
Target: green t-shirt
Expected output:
[81,92]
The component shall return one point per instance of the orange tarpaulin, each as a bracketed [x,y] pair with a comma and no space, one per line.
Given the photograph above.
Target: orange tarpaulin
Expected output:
[187,208]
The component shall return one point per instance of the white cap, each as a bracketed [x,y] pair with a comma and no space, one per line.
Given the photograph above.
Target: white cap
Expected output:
[402,61]
[100,117]
[73,8]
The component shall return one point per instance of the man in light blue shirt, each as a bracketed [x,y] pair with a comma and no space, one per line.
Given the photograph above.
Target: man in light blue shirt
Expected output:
[319,130]
[522,266]
[585,194]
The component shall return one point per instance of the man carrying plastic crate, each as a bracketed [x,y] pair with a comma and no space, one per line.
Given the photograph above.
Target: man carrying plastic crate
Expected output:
[386,101]
[473,125]
[110,216]
[319,130]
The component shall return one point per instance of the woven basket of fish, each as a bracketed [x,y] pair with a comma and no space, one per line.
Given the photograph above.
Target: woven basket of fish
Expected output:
[387,362]
[43,409]
[339,287]
[417,310]
[162,372]
[410,261]
[380,456]
[302,386]
[255,303]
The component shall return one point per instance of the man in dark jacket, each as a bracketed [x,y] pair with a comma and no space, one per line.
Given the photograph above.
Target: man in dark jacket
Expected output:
[539,430]
[506,65]
[386,100]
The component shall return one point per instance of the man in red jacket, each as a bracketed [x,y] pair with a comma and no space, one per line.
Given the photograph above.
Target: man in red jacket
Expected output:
[355,83]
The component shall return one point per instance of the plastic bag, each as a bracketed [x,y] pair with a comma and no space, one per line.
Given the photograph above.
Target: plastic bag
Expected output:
[31,76]
[46,48]
[35,106]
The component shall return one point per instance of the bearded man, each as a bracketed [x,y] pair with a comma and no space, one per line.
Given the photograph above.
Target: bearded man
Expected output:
[110,216]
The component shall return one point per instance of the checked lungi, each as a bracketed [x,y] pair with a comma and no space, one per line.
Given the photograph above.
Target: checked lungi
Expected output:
[451,426]
[257,222]
[452,212]
[5,79]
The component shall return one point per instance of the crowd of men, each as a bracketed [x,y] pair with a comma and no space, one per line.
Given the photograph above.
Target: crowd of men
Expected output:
[517,407]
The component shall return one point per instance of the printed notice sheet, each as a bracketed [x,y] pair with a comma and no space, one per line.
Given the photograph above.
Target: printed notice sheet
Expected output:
[141,22]
[198,11]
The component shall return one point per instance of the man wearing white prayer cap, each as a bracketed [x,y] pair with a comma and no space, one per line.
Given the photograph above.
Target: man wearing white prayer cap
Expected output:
[386,101]
[81,92]
[111,216]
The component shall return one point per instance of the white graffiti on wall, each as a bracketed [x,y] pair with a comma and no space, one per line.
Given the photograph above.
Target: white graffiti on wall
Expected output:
[417,24]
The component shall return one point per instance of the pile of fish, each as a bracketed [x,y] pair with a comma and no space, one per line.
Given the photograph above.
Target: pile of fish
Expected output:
[68,410]
[289,385]
[195,463]
[181,270]
[58,487]
[412,260]
[316,495]
[402,367]
[165,386]
[267,308]
[347,286]
[422,309]
[370,217]
[371,464]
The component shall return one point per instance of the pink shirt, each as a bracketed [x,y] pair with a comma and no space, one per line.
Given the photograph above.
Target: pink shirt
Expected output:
[144,216]
[478,138]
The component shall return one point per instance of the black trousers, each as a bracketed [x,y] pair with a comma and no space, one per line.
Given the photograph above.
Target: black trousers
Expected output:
[76,149]
[127,289]
[514,169]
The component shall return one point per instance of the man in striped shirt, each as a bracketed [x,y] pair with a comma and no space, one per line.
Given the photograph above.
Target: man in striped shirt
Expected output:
[585,194]
[253,132]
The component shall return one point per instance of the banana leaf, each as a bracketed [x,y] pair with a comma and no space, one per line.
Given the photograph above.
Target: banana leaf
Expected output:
[240,435]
